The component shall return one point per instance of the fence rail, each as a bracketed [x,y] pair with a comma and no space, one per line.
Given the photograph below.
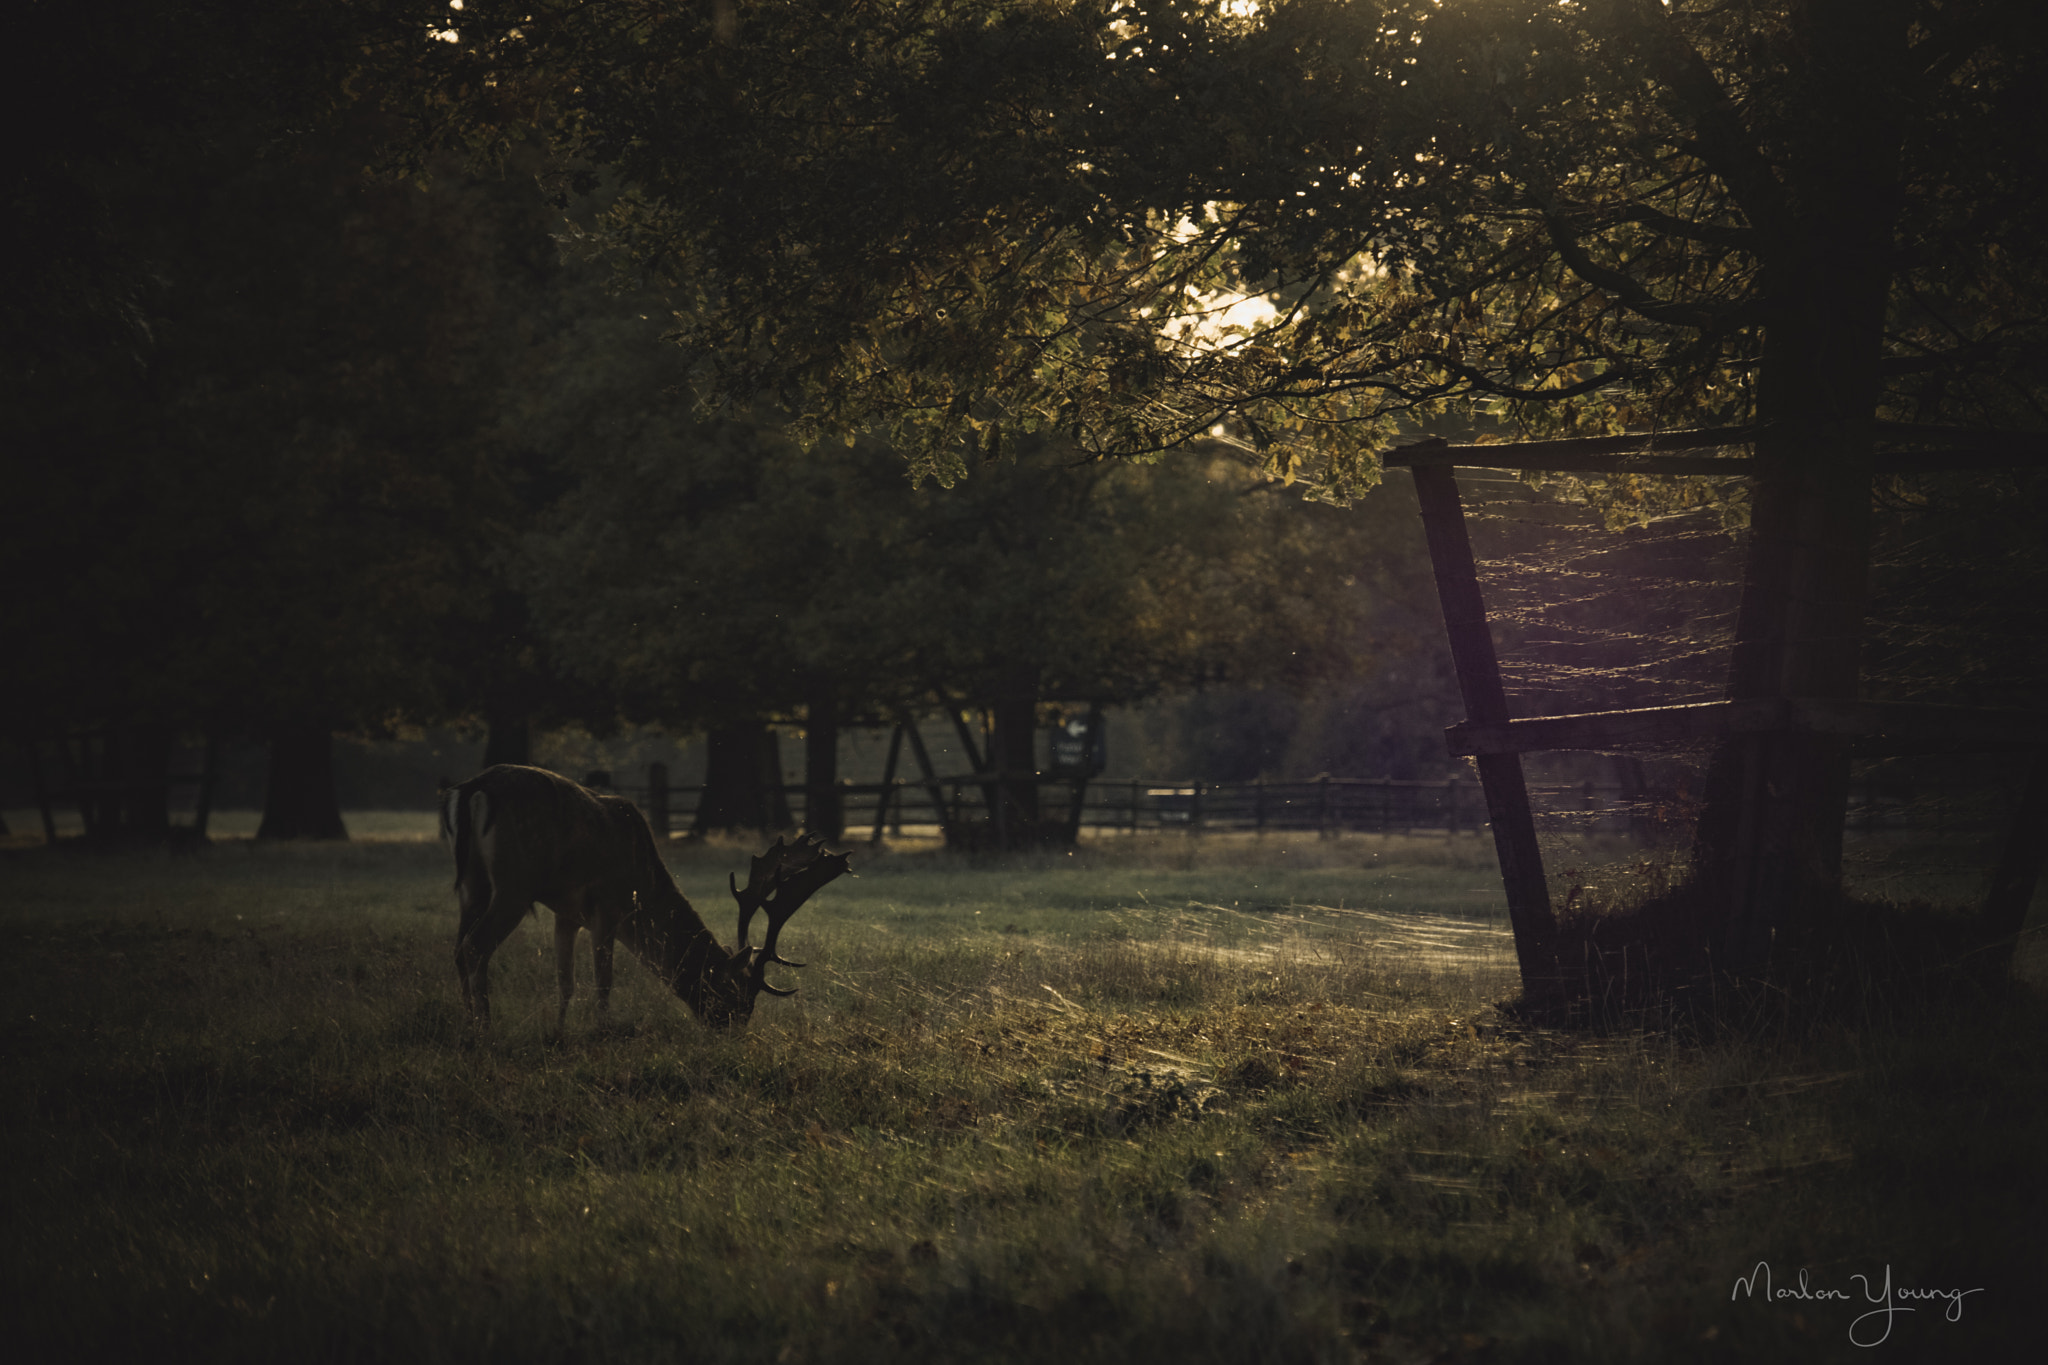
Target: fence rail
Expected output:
[1325,805]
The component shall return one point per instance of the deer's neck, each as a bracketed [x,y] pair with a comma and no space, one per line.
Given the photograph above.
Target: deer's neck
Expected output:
[668,935]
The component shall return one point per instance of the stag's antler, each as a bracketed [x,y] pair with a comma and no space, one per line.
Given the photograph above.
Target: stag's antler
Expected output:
[780,881]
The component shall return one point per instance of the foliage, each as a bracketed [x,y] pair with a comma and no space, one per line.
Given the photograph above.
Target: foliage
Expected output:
[1112,1113]
[958,220]
[709,570]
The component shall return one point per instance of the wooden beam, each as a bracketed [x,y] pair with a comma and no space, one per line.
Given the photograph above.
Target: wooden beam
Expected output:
[924,766]
[2026,445]
[1879,725]
[1500,774]
[1955,729]
[1562,454]
[1952,448]
[1622,729]
[888,782]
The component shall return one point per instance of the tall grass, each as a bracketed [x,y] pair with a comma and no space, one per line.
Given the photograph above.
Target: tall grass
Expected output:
[1178,1101]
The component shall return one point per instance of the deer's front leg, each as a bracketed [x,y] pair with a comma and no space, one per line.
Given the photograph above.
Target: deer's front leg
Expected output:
[565,967]
[601,957]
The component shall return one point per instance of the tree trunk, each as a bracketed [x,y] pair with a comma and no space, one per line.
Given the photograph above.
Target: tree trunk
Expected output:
[1769,845]
[145,769]
[1014,753]
[824,807]
[742,780]
[209,774]
[509,738]
[298,799]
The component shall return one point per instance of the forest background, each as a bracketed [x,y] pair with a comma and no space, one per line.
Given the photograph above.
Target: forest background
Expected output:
[324,452]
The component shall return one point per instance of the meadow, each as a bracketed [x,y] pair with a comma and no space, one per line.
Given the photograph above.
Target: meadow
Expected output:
[1205,1100]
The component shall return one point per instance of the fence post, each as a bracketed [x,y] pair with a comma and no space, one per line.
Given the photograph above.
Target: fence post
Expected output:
[1259,805]
[657,799]
[1134,808]
[1195,810]
[1479,682]
[1323,807]
[42,788]
[1451,807]
[888,786]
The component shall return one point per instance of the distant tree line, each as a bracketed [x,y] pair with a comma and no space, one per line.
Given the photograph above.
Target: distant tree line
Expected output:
[297,449]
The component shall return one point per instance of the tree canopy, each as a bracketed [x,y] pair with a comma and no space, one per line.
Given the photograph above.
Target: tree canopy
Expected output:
[959,219]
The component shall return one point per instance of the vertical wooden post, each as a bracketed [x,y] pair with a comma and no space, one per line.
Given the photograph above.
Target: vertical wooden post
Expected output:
[1323,806]
[657,800]
[1134,808]
[209,773]
[1450,807]
[1259,805]
[931,779]
[42,786]
[1486,703]
[888,783]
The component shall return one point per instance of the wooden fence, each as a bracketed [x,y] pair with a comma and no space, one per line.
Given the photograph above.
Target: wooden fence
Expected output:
[1324,805]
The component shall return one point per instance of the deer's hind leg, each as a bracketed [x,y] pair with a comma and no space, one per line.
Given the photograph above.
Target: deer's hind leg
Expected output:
[489,914]
[566,927]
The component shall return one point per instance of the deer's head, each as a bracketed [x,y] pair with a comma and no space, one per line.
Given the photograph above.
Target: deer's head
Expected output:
[778,883]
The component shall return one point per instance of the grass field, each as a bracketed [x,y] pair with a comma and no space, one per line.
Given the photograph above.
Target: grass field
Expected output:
[1220,1101]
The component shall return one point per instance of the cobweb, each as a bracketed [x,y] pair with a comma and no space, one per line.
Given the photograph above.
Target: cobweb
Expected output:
[1587,617]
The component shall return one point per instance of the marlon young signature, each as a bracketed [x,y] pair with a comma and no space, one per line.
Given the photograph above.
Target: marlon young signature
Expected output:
[1887,1299]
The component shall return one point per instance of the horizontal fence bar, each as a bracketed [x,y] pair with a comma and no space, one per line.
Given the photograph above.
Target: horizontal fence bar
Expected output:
[1876,726]
[1324,806]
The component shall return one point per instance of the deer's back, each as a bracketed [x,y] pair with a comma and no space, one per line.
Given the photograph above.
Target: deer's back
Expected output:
[543,836]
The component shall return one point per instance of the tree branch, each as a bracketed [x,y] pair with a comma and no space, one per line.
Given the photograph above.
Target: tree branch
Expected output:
[1693,94]
[1633,293]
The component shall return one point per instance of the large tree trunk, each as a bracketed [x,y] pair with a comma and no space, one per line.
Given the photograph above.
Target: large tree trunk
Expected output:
[1770,840]
[824,807]
[742,780]
[145,768]
[509,738]
[298,799]
[1013,751]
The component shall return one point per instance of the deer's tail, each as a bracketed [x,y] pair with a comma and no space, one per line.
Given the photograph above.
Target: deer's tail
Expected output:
[458,827]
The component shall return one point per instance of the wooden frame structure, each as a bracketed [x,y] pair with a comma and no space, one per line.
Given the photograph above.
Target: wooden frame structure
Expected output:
[1496,740]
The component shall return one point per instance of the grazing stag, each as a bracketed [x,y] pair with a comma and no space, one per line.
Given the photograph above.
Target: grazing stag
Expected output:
[523,835]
